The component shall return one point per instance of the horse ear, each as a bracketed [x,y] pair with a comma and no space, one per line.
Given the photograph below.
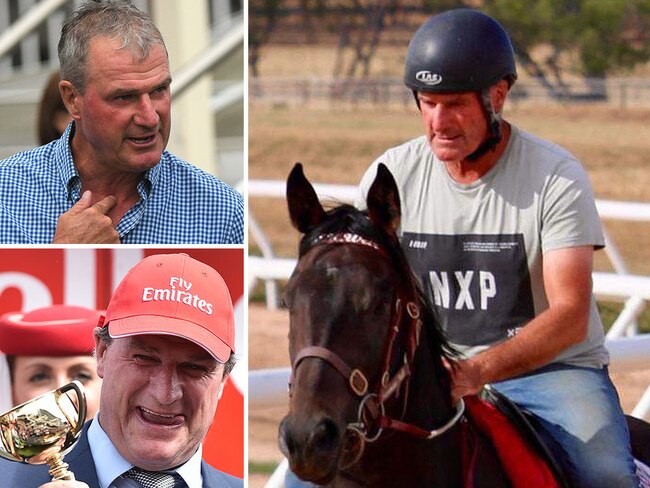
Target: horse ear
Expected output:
[304,208]
[383,201]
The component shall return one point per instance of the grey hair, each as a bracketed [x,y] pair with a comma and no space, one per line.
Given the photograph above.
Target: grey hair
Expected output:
[114,19]
[104,336]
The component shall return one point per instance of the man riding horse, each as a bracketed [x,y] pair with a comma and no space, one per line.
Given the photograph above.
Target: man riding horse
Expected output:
[500,227]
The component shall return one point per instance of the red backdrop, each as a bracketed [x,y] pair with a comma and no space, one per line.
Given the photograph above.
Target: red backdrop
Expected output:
[33,278]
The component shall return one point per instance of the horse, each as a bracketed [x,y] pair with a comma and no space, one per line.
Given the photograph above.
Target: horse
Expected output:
[370,401]
[387,421]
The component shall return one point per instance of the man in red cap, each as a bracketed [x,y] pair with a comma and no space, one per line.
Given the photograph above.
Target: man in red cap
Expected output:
[164,350]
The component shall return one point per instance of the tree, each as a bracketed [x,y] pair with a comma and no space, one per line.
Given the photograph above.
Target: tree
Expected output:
[360,31]
[262,20]
[553,38]
[589,38]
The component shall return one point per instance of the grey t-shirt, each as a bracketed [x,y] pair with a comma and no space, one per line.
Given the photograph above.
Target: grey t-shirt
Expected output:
[478,248]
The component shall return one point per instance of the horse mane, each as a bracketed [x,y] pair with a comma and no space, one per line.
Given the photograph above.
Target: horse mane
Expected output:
[346,218]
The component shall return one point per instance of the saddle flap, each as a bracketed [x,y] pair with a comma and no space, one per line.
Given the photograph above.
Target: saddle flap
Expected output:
[525,459]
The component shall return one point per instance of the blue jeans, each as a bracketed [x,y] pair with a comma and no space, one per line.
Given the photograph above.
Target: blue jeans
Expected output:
[580,410]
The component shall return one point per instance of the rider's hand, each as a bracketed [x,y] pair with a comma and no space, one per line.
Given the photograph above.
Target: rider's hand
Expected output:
[465,378]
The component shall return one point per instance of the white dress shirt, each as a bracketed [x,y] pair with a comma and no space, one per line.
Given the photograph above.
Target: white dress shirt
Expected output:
[110,464]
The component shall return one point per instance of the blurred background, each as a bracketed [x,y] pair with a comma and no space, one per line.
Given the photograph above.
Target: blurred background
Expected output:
[325,89]
[205,41]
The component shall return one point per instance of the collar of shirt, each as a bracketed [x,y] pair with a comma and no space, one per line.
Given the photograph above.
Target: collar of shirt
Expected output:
[110,464]
[72,180]
[65,165]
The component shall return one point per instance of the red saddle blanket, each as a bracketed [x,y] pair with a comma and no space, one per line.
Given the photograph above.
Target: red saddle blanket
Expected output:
[523,466]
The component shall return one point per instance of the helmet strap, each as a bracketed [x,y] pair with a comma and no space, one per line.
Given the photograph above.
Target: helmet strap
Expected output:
[494,124]
[417,100]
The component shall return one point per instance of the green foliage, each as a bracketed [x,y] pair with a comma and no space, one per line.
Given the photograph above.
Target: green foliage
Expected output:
[261,467]
[603,35]
[257,294]
[431,6]
[590,38]
[609,311]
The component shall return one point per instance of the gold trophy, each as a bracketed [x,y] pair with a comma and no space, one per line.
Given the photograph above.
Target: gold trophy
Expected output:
[43,429]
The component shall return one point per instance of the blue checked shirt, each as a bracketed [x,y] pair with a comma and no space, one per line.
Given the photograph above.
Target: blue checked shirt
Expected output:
[179,203]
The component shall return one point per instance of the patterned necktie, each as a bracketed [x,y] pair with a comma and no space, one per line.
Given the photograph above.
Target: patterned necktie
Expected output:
[153,479]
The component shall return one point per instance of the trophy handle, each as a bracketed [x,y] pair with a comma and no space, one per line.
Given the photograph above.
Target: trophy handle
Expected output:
[81,397]
[58,468]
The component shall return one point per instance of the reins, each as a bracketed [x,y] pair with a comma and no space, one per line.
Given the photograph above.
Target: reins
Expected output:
[371,416]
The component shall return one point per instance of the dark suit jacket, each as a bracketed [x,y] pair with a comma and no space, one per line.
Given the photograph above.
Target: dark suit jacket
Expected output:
[82,464]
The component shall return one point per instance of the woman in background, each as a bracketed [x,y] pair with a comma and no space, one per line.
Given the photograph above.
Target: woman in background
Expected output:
[53,117]
[48,348]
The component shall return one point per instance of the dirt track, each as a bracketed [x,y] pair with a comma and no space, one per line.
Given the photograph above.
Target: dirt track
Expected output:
[268,347]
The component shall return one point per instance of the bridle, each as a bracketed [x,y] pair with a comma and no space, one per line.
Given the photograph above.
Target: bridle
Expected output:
[371,416]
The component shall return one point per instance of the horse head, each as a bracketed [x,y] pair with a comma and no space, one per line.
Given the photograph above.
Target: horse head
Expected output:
[354,327]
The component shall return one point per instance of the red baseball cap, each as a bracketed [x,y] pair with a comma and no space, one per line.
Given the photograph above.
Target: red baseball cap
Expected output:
[59,330]
[177,295]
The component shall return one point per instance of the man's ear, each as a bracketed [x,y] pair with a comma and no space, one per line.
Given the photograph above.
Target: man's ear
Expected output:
[100,352]
[498,94]
[71,98]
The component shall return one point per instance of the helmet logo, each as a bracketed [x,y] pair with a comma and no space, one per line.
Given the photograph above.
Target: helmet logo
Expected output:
[428,78]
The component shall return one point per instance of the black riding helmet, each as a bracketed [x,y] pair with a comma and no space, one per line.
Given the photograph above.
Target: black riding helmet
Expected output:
[461,50]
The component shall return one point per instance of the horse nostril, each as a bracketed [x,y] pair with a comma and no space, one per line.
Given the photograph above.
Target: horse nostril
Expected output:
[324,437]
[286,442]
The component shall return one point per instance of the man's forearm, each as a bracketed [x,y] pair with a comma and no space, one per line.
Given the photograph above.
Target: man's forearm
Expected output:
[536,345]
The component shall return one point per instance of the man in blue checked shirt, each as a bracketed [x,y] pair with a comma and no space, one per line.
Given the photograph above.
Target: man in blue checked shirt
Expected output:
[108,179]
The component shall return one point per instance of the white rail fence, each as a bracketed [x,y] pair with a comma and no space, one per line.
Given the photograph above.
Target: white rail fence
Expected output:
[623,93]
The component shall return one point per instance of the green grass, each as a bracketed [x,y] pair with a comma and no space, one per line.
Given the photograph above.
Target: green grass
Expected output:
[257,294]
[262,467]
[610,310]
